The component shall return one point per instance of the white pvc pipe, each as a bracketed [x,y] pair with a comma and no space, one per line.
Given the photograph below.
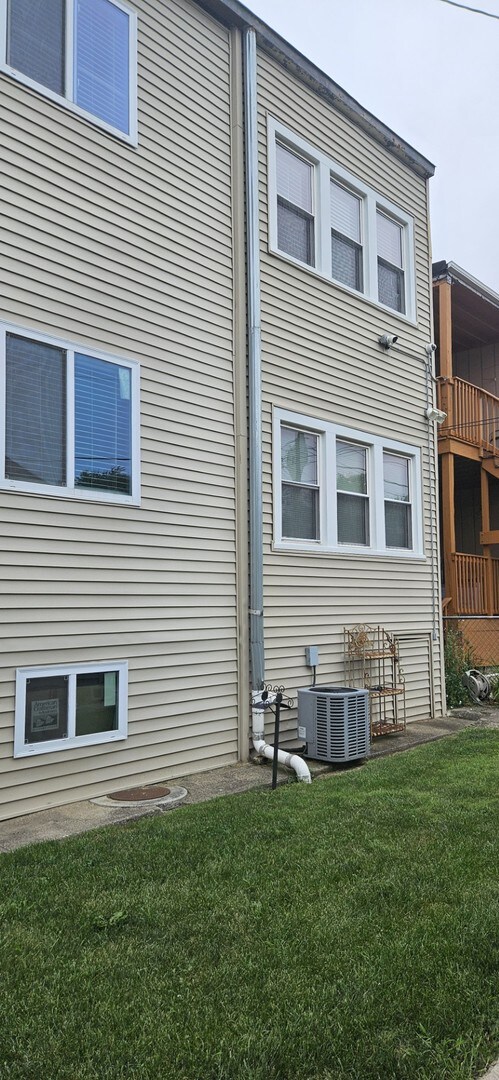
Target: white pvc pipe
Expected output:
[291,761]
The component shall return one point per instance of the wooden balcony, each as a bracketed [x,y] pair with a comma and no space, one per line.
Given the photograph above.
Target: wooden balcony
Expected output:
[472,418]
[474,589]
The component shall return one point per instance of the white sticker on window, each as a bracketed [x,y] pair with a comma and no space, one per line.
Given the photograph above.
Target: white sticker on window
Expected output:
[45,715]
[109,688]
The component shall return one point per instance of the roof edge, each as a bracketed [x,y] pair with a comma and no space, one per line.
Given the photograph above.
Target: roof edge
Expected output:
[233,13]
[450,271]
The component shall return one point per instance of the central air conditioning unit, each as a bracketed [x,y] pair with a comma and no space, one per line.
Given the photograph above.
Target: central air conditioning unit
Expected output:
[334,720]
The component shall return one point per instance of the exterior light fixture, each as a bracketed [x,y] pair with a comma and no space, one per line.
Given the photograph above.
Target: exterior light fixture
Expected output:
[435,414]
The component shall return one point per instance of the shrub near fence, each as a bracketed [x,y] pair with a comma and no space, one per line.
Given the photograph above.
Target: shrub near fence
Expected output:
[480,634]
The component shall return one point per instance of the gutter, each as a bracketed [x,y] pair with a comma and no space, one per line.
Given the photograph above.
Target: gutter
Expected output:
[232,13]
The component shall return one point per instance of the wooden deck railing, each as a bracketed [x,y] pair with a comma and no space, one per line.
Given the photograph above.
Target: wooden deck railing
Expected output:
[469,588]
[472,414]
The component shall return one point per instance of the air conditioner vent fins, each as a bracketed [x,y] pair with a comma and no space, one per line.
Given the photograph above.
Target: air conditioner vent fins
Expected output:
[336,719]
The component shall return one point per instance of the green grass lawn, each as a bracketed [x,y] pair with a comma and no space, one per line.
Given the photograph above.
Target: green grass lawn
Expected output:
[347,929]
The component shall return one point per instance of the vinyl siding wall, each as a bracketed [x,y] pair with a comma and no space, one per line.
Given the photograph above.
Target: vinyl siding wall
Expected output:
[321,357]
[130,251]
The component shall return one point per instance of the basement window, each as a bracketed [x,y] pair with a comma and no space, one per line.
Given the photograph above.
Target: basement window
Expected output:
[71,705]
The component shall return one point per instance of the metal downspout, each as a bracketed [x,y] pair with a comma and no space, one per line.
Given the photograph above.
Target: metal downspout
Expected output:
[255,418]
[254,364]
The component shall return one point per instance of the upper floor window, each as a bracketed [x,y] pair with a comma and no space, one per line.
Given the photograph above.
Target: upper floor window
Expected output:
[324,218]
[79,52]
[70,423]
[340,490]
[295,221]
[346,233]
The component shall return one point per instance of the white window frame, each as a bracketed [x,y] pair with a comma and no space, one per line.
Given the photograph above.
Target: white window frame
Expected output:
[375,445]
[410,502]
[23,749]
[66,99]
[325,170]
[69,491]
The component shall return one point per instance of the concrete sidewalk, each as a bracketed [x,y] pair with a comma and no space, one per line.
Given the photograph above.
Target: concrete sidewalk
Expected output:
[79,817]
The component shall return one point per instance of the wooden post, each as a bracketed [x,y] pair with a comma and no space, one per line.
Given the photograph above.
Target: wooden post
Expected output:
[445,317]
[445,351]
[449,532]
[489,569]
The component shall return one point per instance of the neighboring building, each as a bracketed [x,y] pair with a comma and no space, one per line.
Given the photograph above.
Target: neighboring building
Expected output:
[125,657]
[467,332]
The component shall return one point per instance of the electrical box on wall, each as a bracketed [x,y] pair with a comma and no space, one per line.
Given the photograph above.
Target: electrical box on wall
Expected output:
[312,655]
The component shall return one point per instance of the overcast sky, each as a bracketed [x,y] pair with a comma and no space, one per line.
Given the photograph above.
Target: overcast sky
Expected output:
[431,72]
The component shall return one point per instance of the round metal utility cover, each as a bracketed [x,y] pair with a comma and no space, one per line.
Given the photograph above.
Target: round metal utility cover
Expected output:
[140,794]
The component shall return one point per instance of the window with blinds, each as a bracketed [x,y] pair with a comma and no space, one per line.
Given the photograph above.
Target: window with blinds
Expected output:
[345,491]
[346,247]
[352,493]
[78,50]
[102,62]
[390,262]
[68,420]
[103,435]
[295,220]
[324,217]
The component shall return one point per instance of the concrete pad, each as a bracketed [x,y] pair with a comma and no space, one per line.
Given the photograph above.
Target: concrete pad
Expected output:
[492,1074]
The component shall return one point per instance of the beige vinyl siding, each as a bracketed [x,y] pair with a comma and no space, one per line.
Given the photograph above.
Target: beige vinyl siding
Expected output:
[321,358]
[130,251]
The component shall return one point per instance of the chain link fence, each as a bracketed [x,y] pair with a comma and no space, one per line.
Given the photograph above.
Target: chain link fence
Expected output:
[481,633]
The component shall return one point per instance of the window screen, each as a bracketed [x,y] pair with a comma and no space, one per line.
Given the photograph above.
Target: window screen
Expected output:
[35,40]
[46,708]
[102,425]
[300,489]
[102,61]
[35,401]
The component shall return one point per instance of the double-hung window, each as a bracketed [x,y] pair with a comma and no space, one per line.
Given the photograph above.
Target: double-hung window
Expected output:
[352,493]
[300,483]
[70,705]
[398,495]
[346,233]
[70,420]
[346,491]
[326,219]
[295,205]
[81,53]
[391,290]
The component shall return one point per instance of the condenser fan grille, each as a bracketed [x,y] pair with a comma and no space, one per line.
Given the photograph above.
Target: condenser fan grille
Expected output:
[336,720]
